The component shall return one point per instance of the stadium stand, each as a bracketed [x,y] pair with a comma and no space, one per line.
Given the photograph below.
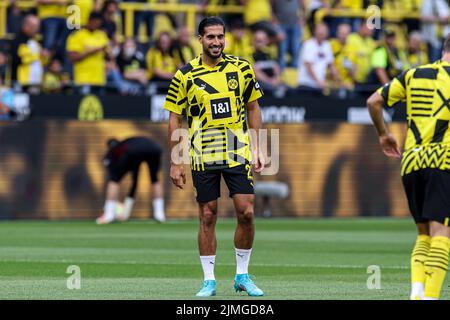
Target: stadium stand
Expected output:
[145,21]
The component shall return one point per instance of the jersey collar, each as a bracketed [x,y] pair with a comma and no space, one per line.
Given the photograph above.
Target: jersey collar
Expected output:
[220,64]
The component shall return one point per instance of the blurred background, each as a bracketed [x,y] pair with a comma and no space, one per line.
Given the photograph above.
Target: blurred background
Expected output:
[65,90]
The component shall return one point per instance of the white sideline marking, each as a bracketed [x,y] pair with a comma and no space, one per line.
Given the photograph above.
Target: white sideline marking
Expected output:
[131,262]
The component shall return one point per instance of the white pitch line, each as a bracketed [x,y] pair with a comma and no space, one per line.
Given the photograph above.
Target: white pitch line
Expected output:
[131,262]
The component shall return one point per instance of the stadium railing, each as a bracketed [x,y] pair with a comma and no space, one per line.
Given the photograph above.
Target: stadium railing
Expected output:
[385,14]
[129,8]
[191,10]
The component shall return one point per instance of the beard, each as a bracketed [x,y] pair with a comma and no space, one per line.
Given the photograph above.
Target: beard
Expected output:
[208,52]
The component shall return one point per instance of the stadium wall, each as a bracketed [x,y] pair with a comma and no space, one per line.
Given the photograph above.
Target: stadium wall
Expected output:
[52,169]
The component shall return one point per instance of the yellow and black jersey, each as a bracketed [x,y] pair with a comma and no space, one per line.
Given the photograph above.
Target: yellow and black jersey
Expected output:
[426,91]
[214,99]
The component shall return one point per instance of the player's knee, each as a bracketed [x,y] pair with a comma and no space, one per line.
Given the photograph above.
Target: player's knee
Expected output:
[246,215]
[208,217]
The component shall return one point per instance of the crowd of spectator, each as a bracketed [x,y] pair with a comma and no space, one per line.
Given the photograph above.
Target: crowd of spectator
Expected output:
[290,48]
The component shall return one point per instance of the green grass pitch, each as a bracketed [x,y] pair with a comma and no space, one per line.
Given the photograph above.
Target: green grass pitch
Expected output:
[292,259]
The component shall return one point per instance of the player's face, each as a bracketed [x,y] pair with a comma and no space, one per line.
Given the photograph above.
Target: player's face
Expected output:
[213,41]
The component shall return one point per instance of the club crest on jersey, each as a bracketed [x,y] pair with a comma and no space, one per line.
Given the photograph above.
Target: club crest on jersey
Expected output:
[233,84]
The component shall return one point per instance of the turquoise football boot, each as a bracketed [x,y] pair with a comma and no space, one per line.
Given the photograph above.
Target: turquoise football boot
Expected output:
[242,282]
[208,289]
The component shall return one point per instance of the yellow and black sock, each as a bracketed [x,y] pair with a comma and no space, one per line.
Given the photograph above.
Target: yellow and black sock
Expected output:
[436,266]
[418,258]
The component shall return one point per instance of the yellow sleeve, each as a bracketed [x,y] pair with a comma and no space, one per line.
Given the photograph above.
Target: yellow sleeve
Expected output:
[176,99]
[74,43]
[252,89]
[104,39]
[394,91]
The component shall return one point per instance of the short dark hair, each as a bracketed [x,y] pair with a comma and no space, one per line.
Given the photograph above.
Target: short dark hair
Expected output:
[210,21]
[55,59]
[447,44]
[95,15]
[237,24]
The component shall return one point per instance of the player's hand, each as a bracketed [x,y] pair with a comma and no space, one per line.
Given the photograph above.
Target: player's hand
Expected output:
[259,161]
[390,146]
[178,175]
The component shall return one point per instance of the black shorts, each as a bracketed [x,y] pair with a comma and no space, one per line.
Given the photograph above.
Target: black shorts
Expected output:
[239,180]
[128,164]
[427,191]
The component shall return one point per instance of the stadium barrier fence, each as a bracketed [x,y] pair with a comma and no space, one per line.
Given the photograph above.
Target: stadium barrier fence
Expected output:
[293,109]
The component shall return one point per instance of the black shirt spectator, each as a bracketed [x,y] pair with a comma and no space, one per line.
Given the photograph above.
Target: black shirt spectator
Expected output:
[267,69]
[265,62]
[131,63]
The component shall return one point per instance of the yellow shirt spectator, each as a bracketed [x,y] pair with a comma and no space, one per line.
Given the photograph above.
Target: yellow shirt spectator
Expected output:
[361,49]
[155,59]
[351,4]
[52,10]
[405,6]
[412,5]
[51,83]
[239,47]
[417,59]
[257,10]
[344,60]
[183,54]
[86,7]
[90,70]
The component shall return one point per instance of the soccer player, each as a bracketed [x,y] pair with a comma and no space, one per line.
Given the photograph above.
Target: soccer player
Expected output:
[425,164]
[127,156]
[218,93]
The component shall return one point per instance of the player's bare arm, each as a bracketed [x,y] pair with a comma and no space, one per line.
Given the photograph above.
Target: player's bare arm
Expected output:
[387,140]
[177,173]
[255,122]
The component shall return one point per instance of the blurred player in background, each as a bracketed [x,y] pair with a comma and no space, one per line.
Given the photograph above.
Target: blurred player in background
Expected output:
[425,164]
[126,156]
[219,94]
